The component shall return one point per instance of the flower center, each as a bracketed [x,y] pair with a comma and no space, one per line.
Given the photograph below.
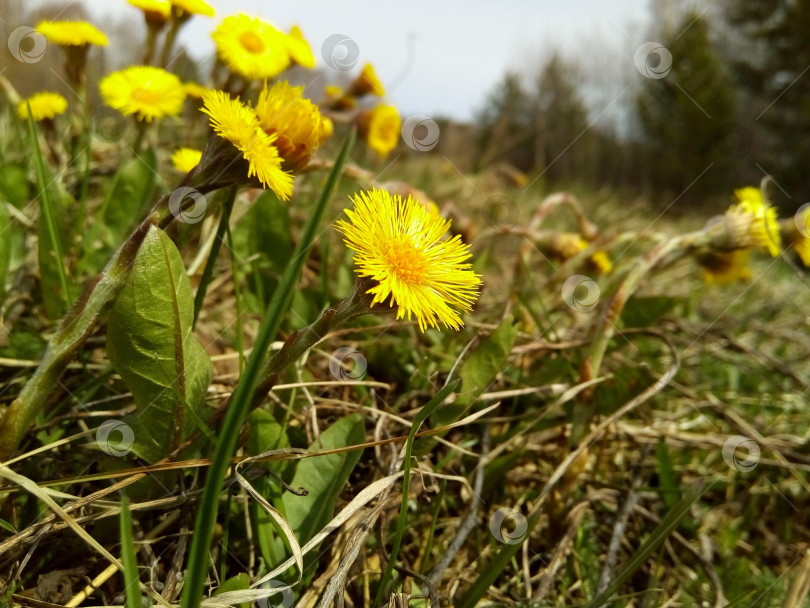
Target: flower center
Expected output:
[145,96]
[251,42]
[406,261]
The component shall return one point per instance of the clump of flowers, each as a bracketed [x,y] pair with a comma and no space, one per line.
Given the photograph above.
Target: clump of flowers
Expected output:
[252,47]
[42,106]
[145,91]
[237,123]
[294,120]
[401,247]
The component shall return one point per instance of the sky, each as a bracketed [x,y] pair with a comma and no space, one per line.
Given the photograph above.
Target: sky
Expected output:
[438,58]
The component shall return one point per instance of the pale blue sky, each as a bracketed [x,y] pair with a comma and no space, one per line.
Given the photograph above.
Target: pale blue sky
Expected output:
[441,58]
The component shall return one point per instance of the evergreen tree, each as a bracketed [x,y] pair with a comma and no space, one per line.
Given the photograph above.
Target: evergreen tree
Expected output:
[687,115]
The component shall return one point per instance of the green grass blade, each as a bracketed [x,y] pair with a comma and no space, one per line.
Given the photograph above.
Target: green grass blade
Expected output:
[426,411]
[240,401]
[208,271]
[47,210]
[132,584]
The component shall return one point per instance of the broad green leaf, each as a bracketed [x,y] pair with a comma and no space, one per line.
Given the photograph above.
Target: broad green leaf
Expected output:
[645,311]
[240,582]
[323,477]
[151,346]
[479,370]
[267,434]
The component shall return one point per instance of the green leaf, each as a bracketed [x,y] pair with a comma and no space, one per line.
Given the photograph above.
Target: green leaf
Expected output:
[151,345]
[240,582]
[668,480]
[645,311]
[7,526]
[323,477]
[479,370]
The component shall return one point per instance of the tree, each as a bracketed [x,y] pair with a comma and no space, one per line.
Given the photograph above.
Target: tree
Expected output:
[505,124]
[687,115]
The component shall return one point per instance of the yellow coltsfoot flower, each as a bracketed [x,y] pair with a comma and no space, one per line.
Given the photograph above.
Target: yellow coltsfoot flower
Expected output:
[185,159]
[401,247]
[252,47]
[294,120]
[367,83]
[72,33]
[762,223]
[298,48]
[237,123]
[724,267]
[146,91]
[155,11]
[43,106]
[380,129]
[187,8]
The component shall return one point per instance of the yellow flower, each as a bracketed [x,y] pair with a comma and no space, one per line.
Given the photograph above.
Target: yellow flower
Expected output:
[185,159]
[367,83]
[299,49]
[43,105]
[601,262]
[238,123]
[71,33]
[764,227]
[192,89]
[158,10]
[327,128]
[295,120]
[333,91]
[147,91]
[402,247]
[251,47]
[380,129]
[802,247]
[724,267]
[192,7]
